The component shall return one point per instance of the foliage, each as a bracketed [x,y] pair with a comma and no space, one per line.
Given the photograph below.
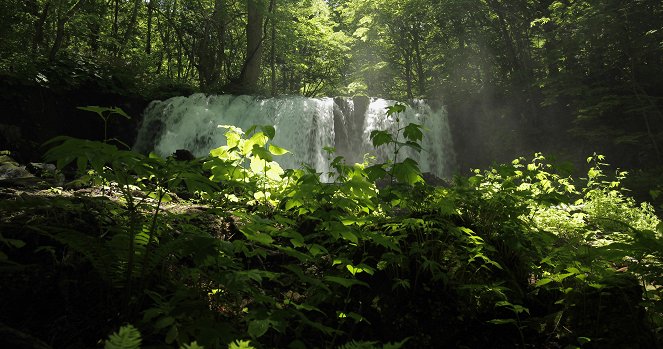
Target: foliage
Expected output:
[231,247]
[128,337]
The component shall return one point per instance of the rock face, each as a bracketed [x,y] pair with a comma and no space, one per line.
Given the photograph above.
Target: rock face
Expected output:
[14,174]
[10,169]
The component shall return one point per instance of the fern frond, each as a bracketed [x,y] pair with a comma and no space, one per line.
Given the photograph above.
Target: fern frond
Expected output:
[128,337]
[91,248]
[163,251]
[359,345]
[238,344]
[193,345]
[372,345]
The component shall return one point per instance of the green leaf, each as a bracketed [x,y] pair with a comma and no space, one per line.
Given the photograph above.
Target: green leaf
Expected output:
[276,150]
[119,111]
[172,334]
[269,131]
[542,282]
[350,236]
[257,328]
[193,345]
[164,322]
[413,132]
[359,269]
[95,109]
[260,237]
[375,172]
[502,321]
[127,337]
[238,344]
[584,340]
[414,145]
[381,137]
[345,282]
[396,108]
[407,172]
[261,152]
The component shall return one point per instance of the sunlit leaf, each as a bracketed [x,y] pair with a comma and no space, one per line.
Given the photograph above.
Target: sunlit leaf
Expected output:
[276,150]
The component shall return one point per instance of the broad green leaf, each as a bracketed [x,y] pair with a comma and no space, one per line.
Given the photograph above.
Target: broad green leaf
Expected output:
[164,322]
[414,145]
[259,237]
[257,328]
[542,282]
[269,131]
[502,321]
[172,334]
[407,172]
[375,172]
[345,282]
[413,132]
[359,269]
[396,108]
[381,137]
[276,150]
[261,152]
[120,111]
[94,108]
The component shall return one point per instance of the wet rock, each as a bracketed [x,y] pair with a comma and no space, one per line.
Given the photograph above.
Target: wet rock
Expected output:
[183,155]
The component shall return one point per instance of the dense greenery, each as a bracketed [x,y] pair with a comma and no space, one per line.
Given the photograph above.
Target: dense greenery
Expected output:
[531,68]
[232,251]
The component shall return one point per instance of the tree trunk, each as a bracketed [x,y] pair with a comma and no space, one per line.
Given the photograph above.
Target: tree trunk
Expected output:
[515,63]
[406,53]
[272,58]
[60,26]
[254,38]
[38,39]
[116,13]
[148,40]
[211,47]
[421,79]
[94,27]
[131,27]
[247,81]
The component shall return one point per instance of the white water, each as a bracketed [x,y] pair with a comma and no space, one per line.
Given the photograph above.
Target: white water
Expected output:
[303,125]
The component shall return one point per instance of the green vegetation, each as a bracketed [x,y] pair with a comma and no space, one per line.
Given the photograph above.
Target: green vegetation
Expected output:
[232,251]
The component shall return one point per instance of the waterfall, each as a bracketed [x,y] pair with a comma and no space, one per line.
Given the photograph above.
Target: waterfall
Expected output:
[303,126]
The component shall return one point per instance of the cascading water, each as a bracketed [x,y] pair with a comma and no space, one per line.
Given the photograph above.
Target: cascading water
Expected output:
[303,125]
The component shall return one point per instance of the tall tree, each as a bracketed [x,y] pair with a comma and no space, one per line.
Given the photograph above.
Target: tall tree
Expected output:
[65,11]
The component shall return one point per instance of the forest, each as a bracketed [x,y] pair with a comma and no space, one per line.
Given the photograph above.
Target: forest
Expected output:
[546,232]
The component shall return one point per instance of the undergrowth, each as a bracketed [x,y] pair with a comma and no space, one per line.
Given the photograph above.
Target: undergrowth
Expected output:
[232,251]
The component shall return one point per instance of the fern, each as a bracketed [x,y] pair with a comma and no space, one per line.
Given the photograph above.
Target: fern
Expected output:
[93,249]
[128,337]
[193,345]
[359,345]
[372,345]
[240,345]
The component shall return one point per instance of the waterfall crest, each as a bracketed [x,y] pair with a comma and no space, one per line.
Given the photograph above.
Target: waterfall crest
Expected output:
[303,125]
